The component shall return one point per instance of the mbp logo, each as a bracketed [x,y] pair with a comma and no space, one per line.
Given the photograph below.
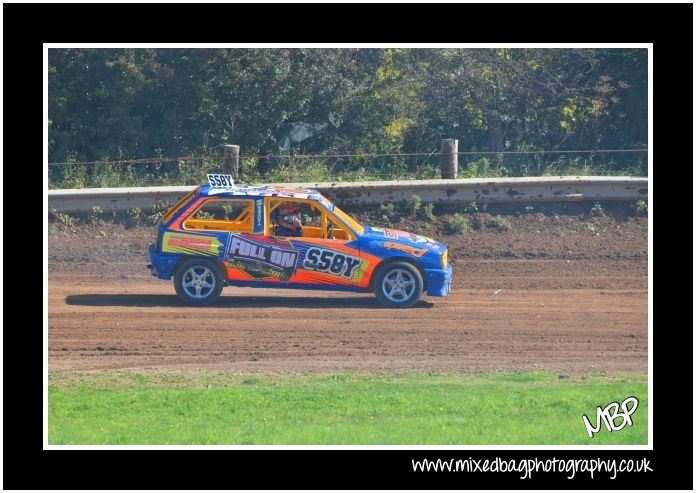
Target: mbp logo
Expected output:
[610,414]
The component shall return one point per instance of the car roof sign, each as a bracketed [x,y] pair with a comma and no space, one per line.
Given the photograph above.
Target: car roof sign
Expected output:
[220,183]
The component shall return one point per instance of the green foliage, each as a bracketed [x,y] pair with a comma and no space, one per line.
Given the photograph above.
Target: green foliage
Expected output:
[159,209]
[500,223]
[470,208]
[427,212]
[426,229]
[228,210]
[480,168]
[458,224]
[641,207]
[387,209]
[66,219]
[387,212]
[95,214]
[414,205]
[596,210]
[589,226]
[204,215]
[228,408]
[126,103]
[134,214]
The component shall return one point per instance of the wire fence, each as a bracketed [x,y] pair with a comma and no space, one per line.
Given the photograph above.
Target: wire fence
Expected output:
[191,170]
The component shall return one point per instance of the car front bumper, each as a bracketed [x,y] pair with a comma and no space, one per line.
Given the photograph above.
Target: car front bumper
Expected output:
[438,281]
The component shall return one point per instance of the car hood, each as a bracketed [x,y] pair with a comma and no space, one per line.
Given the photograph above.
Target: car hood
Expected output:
[404,238]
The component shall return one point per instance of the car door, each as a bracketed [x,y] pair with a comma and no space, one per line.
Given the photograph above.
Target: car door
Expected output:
[234,228]
[254,258]
[327,254]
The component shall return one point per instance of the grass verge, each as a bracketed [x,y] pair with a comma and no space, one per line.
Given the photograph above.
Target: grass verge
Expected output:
[119,407]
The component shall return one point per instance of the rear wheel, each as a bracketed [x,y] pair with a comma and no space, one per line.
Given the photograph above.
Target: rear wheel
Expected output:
[198,282]
[398,285]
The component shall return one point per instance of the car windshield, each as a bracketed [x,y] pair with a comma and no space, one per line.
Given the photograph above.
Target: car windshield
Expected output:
[352,223]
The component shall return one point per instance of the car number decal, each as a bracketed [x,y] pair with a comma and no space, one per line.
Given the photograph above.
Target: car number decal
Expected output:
[331,262]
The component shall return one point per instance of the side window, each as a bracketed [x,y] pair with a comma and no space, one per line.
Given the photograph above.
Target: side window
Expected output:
[177,207]
[310,215]
[222,215]
[335,230]
[314,222]
[294,218]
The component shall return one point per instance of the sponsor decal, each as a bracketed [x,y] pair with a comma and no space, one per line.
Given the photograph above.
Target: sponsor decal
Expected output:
[396,234]
[191,244]
[259,216]
[273,191]
[331,262]
[416,252]
[291,192]
[225,184]
[261,260]
[266,191]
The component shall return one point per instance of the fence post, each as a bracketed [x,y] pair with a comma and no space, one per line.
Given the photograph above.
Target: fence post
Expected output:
[448,164]
[230,161]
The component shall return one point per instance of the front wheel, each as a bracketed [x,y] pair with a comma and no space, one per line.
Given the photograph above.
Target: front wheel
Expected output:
[198,282]
[398,285]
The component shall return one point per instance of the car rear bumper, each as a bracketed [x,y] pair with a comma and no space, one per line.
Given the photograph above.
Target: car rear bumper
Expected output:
[438,281]
[161,264]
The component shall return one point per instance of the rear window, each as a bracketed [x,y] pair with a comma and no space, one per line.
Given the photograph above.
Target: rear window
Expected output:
[168,216]
[222,215]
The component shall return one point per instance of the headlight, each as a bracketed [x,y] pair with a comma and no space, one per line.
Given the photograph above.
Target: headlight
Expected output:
[443,259]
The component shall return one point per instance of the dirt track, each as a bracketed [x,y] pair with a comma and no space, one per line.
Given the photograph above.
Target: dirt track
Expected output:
[584,313]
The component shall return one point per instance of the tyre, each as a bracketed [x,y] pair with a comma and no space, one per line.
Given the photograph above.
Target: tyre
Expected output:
[398,285]
[198,282]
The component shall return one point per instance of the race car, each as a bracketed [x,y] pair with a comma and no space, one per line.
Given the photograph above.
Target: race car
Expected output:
[221,235]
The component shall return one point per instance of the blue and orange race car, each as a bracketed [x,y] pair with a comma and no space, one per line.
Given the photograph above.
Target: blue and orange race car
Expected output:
[221,234]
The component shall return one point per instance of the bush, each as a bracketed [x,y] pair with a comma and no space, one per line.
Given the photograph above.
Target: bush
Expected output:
[478,168]
[134,214]
[597,210]
[95,214]
[161,207]
[66,219]
[387,209]
[641,207]
[589,226]
[471,208]
[427,211]
[500,223]
[426,229]
[414,204]
[387,212]
[458,224]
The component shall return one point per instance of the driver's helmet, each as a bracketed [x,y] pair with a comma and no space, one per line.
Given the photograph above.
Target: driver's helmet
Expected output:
[289,209]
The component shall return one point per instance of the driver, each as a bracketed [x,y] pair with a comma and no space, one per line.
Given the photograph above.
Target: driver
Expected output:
[288,222]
